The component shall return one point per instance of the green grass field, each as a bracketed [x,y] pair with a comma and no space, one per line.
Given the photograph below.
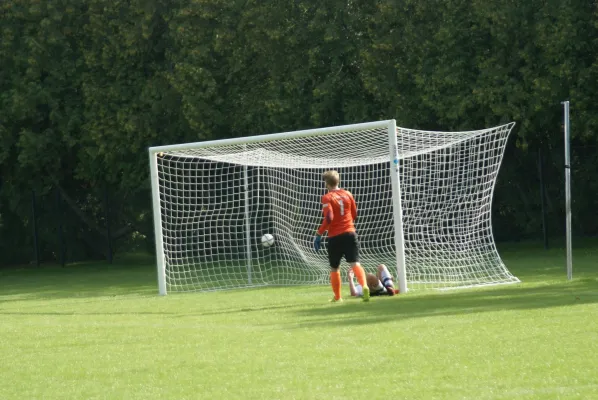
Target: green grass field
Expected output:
[96,331]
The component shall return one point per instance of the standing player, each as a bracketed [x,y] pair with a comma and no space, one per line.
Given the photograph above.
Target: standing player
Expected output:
[380,284]
[340,212]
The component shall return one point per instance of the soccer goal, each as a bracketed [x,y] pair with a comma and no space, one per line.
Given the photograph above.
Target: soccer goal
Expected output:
[424,206]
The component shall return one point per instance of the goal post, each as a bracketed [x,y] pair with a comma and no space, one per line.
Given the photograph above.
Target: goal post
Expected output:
[424,205]
[157,211]
[397,209]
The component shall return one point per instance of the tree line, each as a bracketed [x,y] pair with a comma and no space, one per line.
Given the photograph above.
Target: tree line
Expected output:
[86,86]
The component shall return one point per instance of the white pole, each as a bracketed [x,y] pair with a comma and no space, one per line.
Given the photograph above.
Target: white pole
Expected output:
[160,262]
[247,224]
[396,205]
[568,190]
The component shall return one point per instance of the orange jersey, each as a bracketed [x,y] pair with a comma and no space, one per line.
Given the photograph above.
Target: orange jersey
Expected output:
[339,209]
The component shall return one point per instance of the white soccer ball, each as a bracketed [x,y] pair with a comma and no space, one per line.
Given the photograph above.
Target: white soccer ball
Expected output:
[267,240]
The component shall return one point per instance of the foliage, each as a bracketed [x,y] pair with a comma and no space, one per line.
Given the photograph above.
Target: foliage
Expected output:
[87,86]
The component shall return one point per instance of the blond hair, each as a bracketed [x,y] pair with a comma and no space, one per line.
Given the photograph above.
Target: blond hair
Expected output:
[331,178]
[372,281]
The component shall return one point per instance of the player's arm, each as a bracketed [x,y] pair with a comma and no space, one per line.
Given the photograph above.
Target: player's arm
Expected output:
[352,205]
[353,208]
[328,215]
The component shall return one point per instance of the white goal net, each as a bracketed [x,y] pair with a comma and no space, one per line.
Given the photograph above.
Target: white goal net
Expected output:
[213,201]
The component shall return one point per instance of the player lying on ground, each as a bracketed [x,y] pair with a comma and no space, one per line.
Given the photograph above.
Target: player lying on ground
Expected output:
[340,212]
[380,284]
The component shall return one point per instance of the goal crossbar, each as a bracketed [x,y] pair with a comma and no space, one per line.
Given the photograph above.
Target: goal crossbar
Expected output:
[270,137]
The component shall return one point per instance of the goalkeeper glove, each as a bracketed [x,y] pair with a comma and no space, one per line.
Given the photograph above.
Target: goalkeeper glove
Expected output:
[317,242]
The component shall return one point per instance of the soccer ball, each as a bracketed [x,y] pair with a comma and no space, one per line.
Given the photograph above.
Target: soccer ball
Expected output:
[267,240]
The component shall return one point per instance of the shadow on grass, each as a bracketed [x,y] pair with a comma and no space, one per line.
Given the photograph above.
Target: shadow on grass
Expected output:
[544,286]
[513,297]
[84,280]
[242,310]
[541,271]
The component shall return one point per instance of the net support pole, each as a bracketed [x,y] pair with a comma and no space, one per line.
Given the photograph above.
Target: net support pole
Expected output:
[568,190]
[160,262]
[396,205]
[247,222]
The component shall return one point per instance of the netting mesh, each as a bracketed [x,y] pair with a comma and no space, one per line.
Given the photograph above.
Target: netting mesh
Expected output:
[216,202]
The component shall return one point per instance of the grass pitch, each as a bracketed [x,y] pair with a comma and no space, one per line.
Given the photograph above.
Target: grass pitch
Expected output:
[96,331]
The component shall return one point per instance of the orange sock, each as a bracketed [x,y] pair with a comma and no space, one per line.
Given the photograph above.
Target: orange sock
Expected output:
[360,275]
[335,282]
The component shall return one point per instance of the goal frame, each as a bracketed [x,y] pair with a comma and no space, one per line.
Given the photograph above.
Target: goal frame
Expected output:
[390,125]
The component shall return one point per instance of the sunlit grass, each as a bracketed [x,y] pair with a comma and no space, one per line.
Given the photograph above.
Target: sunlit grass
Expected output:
[100,331]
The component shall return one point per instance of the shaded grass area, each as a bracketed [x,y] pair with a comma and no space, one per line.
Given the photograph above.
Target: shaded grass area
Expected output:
[131,274]
[458,303]
[136,274]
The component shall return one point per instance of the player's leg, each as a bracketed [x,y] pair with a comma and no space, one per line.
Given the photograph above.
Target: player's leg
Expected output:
[386,279]
[334,257]
[354,290]
[359,272]
[351,251]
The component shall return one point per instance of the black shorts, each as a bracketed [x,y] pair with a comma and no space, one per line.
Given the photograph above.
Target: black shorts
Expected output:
[345,244]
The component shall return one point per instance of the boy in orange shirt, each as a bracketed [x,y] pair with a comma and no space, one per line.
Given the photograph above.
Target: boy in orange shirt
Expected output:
[340,211]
